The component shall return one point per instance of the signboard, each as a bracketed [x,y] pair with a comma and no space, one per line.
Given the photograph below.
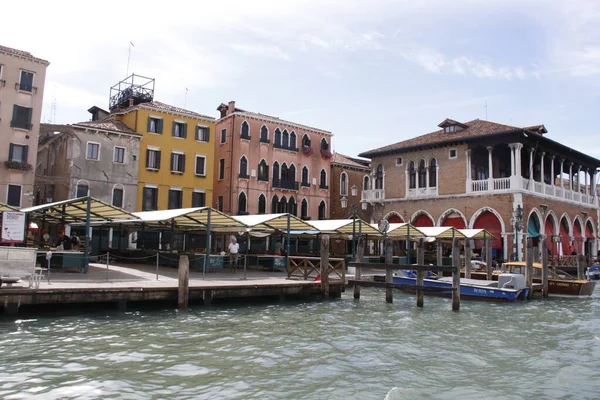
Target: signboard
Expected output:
[13,227]
[556,239]
[279,263]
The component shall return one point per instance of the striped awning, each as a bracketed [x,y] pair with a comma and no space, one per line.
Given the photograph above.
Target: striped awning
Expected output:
[186,218]
[401,230]
[75,210]
[6,207]
[269,222]
[442,232]
[344,227]
[478,234]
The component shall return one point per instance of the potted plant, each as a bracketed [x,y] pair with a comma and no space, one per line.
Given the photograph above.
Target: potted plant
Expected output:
[307,150]
[326,153]
[18,165]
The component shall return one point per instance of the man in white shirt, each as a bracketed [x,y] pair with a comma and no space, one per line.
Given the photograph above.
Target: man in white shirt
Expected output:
[234,248]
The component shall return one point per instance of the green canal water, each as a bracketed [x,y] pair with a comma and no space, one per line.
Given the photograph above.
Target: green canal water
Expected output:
[342,349]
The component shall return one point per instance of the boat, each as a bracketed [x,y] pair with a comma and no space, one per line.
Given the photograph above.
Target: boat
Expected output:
[593,272]
[559,282]
[508,287]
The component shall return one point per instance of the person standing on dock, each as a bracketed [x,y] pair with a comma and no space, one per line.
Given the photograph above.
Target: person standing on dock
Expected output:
[234,248]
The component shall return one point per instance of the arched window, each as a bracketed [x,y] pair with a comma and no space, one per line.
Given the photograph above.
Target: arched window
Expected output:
[245,130]
[277,137]
[283,205]
[292,206]
[422,174]
[243,167]
[344,184]
[324,144]
[412,175]
[274,204]
[284,172]
[242,203]
[323,180]
[366,183]
[263,171]
[379,177]
[305,178]
[285,143]
[83,188]
[304,209]
[264,134]
[305,140]
[292,173]
[293,140]
[433,173]
[262,204]
[275,171]
[322,210]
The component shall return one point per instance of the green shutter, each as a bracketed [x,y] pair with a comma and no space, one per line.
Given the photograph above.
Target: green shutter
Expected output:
[158,158]
[183,162]
[184,133]
[10,152]
[171,165]
[160,126]
[25,151]
[208,134]
[13,122]
[173,128]
[29,112]
[147,158]
[149,125]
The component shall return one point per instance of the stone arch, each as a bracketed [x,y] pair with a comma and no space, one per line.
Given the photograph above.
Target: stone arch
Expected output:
[478,213]
[449,212]
[566,218]
[392,217]
[589,221]
[550,227]
[418,214]
[578,237]
[494,224]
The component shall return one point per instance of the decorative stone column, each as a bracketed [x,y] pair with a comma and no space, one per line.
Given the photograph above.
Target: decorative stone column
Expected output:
[531,180]
[490,149]
[542,181]
[560,179]
[571,178]
[469,179]
[407,180]
[579,181]
[552,180]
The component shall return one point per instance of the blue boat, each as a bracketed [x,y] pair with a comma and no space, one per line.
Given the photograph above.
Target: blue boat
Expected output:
[509,287]
[593,272]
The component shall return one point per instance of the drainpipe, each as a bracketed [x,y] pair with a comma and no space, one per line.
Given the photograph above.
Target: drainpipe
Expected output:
[231,170]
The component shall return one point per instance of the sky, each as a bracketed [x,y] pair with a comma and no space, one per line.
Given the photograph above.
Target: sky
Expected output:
[371,72]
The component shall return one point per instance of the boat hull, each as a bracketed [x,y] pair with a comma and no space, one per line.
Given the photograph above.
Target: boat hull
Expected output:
[466,291]
[564,287]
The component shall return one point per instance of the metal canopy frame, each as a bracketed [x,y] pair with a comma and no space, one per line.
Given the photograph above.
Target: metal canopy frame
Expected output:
[76,210]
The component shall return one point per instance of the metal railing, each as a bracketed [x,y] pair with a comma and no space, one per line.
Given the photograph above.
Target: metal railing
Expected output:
[285,184]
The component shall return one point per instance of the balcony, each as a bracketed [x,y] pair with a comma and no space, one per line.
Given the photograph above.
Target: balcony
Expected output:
[285,184]
[305,184]
[325,187]
[18,165]
[263,178]
[244,137]
[21,87]
[244,176]
[262,140]
[373,196]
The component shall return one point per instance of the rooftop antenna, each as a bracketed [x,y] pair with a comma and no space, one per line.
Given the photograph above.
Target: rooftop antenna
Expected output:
[485,106]
[129,57]
[185,98]
[53,110]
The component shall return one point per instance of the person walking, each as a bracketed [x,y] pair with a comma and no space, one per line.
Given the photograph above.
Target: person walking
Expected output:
[234,248]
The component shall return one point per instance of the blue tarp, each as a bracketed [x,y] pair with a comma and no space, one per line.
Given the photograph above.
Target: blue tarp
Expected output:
[533,228]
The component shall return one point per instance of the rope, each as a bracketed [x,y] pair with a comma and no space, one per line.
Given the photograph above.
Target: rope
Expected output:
[132,258]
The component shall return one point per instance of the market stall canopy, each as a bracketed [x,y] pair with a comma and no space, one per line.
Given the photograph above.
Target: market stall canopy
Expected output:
[6,207]
[75,210]
[479,234]
[344,227]
[442,232]
[401,230]
[269,222]
[186,218]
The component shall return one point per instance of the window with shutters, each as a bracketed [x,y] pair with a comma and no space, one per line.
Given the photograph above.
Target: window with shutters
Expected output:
[150,200]
[175,198]
[13,195]
[262,204]
[322,210]
[275,171]
[200,165]
[153,159]
[304,209]
[155,125]
[274,204]
[293,145]
[18,153]
[82,190]
[220,201]
[323,180]
[119,155]
[245,134]
[117,197]
[223,135]
[285,139]
[244,168]
[305,179]
[177,162]
[277,138]
[198,199]
[222,168]
[21,118]
[202,134]
[179,129]
[242,204]
[264,134]
[93,151]
[263,171]
[26,81]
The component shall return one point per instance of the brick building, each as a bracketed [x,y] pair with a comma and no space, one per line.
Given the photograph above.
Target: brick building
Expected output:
[345,173]
[265,165]
[515,182]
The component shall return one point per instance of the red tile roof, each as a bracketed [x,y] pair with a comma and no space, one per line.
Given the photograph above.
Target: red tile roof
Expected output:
[158,106]
[345,160]
[108,124]
[475,128]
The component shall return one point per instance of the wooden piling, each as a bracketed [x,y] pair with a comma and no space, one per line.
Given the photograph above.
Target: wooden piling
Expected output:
[360,254]
[325,265]
[456,275]
[467,258]
[420,272]
[545,271]
[580,266]
[488,259]
[529,267]
[389,273]
[184,282]
[440,252]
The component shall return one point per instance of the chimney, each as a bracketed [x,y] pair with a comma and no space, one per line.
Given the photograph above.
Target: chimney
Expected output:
[131,102]
[231,108]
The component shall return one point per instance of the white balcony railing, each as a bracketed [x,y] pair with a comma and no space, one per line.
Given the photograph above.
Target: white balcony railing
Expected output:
[502,184]
[373,196]
[479,186]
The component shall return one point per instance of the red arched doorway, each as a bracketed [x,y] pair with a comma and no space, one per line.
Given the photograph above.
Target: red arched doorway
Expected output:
[550,230]
[422,221]
[589,235]
[394,219]
[488,221]
[454,219]
[565,238]
[577,237]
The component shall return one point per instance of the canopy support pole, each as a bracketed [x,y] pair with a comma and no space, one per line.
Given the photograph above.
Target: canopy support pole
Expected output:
[86,249]
[208,236]
[287,245]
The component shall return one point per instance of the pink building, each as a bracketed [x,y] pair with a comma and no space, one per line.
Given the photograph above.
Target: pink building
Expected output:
[267,165]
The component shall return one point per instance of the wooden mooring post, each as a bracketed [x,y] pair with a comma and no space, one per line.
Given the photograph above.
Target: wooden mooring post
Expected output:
[420,272]
[324,271]
[529,267]
[545,271]
[440,252]
[389,273]
[360,254]
[184,282]
[468,258]
[488,258]
[456,275]
[580,266]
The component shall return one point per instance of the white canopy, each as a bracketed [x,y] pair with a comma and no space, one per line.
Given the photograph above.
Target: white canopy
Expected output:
[477,234]
[272,222]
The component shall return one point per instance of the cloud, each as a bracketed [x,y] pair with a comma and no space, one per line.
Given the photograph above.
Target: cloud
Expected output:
[259,50]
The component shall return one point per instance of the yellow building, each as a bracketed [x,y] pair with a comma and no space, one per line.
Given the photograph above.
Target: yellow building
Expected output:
[176,157]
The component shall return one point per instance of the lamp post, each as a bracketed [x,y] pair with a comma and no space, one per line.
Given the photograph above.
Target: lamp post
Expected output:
[353,211]
[517,221]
